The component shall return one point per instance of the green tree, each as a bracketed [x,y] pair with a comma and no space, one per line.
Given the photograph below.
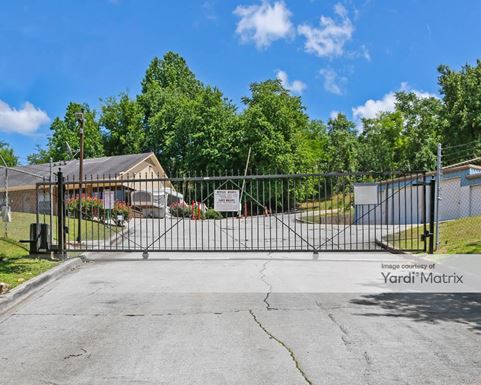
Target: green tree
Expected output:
[422,130]
[121,121]
[65,131]
[7,153]
[381,142]
[317,140]
[189,126]
[169,74]
[343,146]
[461,91]
[274,125]
[41,155]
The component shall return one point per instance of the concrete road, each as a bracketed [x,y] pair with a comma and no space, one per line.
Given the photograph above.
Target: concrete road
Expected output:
[233,321]
[281,232]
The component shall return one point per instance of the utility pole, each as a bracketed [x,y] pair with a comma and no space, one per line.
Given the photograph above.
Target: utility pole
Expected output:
[239,213]
[51,200]
[80,119]
[439,166]
[5,219]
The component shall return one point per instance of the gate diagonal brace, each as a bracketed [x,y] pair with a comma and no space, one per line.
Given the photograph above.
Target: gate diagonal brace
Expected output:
[315,251]
[369,211]
[145,254]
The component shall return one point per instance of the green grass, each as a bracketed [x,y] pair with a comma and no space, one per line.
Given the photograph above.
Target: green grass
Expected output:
[336,201]
[461,236]
[328,218]
[19,228]
[15,265]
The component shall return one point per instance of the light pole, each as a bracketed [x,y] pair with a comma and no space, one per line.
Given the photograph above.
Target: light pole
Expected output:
[80,119]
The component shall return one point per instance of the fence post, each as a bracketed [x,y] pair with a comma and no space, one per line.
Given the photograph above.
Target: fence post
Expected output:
[432,206]
[438,191]
[60,215]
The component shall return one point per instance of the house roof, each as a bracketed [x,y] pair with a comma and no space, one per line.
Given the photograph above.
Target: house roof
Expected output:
[101,167]
[445,171]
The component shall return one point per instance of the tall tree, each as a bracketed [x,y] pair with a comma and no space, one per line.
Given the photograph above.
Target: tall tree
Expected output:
[461,92]
[343,148]
[422,130]
[65,133]
[7,153]
[121,121]
[190,127]
[274,125]
[381,142]
[170,74]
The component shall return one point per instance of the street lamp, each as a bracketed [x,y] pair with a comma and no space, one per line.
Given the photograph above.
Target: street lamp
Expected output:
[80,117]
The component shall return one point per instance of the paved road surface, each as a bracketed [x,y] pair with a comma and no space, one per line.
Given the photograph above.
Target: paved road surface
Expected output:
[224,321]
[281,232]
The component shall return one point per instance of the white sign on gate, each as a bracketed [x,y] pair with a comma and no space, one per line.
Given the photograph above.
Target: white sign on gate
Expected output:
[365,194]
[226,200]
[109,199]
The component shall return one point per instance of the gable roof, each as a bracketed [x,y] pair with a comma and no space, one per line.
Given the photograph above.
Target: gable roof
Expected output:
[103,167]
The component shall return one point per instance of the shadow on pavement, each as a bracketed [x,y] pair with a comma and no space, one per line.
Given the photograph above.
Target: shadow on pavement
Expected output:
[464,308]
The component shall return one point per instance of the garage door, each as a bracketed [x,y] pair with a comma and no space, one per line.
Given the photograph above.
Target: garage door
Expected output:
[475,201]
[449,207]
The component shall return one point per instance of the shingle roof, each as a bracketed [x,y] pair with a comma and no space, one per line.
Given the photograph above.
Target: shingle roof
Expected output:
[105,166]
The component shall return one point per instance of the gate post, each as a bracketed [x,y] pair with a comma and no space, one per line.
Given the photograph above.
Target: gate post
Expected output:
[60,215]
[432,208]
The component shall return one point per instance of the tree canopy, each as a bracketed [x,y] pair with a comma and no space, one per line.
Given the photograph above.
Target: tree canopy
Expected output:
[7,154]
[193,127]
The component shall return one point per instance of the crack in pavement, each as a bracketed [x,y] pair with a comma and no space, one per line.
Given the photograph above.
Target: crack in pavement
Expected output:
[289,350]
[269,286]
[348,344]
[75,355]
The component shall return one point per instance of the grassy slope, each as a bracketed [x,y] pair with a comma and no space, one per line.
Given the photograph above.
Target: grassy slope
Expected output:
[461,236]
[19,227]
[15,265]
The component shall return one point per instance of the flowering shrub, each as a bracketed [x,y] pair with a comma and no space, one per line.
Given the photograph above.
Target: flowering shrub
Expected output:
[180,209]
[121,208]
[91,207]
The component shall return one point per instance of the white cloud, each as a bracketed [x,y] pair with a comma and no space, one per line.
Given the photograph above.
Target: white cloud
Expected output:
[24,121]
[371,108]
[264,23]
[333,115]
[332,81]
[295,86]
[329,39]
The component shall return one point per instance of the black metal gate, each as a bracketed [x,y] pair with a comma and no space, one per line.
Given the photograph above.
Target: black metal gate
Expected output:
[298,212]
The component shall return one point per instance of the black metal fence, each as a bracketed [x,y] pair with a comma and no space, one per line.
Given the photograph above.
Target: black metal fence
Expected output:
[299,212]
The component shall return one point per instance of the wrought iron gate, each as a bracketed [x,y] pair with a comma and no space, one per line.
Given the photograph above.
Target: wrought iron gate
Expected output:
[298,212]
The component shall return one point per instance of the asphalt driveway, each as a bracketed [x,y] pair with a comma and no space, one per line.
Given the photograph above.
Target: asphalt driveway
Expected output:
[233,321]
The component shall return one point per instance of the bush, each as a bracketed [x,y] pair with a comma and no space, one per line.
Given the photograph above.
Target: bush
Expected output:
[91,207]
[121,208]
[180,209]
[212,214]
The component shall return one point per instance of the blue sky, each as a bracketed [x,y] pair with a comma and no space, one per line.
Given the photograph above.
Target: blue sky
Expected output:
[346,56]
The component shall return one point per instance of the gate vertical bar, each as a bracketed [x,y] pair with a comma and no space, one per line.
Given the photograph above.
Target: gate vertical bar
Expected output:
[432,205]
[60,215]
[439,165]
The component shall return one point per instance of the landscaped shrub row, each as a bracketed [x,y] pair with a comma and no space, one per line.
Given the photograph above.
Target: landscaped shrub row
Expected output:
[183,210]
[93,209]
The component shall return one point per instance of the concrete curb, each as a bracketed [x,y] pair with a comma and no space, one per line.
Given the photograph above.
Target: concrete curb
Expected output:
[26,289]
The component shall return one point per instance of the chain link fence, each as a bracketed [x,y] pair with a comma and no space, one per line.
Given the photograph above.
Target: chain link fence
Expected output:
[460,210]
